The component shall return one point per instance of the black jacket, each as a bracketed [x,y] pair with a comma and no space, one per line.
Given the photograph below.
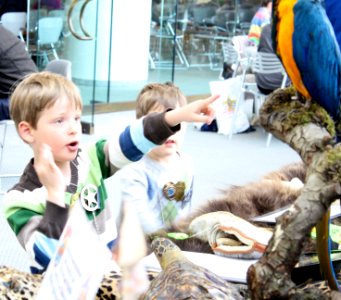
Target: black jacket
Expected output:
[12,6]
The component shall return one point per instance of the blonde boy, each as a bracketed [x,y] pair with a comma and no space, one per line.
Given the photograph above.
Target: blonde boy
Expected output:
[46,109]
[160,185]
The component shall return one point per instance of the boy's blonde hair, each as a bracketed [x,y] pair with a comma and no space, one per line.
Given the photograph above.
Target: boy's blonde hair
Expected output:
[158,95]
[39,91]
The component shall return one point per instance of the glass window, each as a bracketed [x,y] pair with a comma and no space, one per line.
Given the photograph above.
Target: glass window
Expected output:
[115,49]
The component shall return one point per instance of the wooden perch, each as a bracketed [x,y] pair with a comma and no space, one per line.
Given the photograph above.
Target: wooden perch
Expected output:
[309,130]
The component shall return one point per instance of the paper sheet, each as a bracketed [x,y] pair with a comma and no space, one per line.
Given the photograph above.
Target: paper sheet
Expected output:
[78,266]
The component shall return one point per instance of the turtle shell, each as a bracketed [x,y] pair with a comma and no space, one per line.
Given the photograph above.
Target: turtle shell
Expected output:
[182,279]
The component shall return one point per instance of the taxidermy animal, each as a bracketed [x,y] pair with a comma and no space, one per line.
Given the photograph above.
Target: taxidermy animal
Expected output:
[181,279]
[275,190]
[305,42]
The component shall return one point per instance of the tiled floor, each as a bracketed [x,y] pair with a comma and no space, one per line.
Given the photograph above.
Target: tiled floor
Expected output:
[219,162]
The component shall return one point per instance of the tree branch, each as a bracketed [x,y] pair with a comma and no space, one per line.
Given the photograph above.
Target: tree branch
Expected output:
[309,130]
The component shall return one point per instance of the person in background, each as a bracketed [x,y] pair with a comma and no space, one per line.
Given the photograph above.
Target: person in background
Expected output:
[160,185]
[261,18]
[48,4]
[12,6]
[46,109]
[267,83]
[202,11]
[15,63]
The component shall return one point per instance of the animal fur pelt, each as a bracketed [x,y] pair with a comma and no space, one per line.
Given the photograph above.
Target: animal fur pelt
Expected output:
[275,190]
[270,193]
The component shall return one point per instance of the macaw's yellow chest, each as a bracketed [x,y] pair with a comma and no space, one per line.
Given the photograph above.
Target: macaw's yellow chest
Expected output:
[284,41]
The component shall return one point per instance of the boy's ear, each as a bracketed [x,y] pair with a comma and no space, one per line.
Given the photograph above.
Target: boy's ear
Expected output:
[25,132]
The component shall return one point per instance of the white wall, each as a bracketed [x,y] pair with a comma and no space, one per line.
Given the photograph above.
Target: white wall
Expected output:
[130,41]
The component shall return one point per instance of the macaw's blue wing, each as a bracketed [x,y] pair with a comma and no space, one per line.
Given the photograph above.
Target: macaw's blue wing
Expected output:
[333,9]
[317,55]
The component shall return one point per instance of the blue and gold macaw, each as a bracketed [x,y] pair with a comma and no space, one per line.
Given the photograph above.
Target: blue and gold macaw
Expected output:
[305,42]
[304,39]
[333,7]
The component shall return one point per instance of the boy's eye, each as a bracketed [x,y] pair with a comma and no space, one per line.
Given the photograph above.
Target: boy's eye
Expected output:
[59,121]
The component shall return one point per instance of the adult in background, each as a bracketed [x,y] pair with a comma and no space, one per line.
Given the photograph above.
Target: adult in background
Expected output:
[12,6]
[261,18]
[48,4]
[267,83]
[15,63]
[202,11]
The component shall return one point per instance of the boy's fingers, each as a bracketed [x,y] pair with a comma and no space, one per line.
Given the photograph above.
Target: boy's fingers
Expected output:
[205,119]
[212,98]
[45,152]
[44,157]
[208,120]
[210,111]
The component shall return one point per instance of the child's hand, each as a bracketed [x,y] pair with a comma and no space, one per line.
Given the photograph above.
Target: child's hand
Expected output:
[197,111]
[49,174]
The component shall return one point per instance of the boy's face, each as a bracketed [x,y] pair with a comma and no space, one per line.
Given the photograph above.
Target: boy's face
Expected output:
[173,143]
[60,128]
[171,146]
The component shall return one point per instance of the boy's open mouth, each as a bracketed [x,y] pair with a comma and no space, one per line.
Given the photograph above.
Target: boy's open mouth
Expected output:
[73,146]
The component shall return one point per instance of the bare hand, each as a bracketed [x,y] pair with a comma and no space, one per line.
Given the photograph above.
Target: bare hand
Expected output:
[49,174]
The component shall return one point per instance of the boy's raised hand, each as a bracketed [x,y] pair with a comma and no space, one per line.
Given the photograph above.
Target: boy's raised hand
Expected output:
[49,174]
[197,111]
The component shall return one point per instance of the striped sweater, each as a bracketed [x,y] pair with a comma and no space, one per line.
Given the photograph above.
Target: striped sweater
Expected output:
[38,223]
[261,18]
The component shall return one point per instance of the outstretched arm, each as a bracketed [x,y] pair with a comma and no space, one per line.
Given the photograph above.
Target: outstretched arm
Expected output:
[197,111]
[152,130]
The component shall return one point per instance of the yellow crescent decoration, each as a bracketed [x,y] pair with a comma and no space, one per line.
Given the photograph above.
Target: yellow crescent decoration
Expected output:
[86,35]
[322,243]
[81,19]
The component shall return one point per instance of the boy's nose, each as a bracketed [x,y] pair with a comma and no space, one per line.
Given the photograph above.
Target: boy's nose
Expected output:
[74,127]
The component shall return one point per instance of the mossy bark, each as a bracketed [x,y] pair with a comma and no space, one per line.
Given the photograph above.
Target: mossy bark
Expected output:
[309,130]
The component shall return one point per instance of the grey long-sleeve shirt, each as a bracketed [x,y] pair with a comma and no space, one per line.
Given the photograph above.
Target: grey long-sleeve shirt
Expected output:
[15,61]
[267,81]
